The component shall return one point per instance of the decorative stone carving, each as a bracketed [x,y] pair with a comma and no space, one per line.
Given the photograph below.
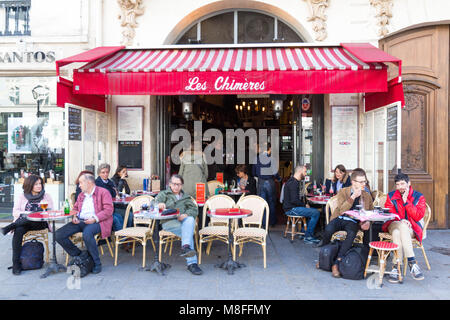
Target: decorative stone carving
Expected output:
[384,13]
[318,17]
[130,10]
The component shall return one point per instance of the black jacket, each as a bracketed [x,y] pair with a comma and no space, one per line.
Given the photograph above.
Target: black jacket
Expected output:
[251,186]
[110,186]
[291,198]
[328,182]
[121,184]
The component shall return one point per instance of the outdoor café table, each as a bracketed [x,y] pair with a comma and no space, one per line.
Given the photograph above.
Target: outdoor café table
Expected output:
[234,194]
[157,265]
[122,201]
[51,215]
[230,213]
[371,216]
[322,201]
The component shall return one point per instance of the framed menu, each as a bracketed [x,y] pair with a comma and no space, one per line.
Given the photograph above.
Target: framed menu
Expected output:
[344,136]
[74,124]
[129,123]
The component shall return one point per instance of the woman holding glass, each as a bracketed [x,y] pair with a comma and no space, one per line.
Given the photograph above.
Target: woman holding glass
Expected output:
[33,199]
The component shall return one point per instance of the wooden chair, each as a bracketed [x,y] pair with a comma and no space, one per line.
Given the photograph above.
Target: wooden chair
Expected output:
[379,198]
[383,249]
[294,221]
[212,185]
[217,228]
[339,235]
[247,233]
[136,233]
[385,236]
[77,238]
[38,235]
[167,237]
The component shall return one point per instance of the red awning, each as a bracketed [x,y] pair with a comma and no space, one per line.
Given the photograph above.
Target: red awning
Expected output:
[394,94]
[64,94]
[237,70]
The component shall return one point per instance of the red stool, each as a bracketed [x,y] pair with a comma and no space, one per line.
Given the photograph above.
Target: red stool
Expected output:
[383,249]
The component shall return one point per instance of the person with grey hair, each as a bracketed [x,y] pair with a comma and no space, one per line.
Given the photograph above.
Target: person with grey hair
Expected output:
[103,180]
[293,205]
[184,225]
[94,209]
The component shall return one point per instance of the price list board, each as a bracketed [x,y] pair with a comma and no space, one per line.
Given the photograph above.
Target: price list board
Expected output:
[74,124]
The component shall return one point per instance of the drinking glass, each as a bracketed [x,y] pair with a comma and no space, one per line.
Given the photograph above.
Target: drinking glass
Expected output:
[43,204]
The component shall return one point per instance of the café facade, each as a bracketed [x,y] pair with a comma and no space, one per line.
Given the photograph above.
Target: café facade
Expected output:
[331,102]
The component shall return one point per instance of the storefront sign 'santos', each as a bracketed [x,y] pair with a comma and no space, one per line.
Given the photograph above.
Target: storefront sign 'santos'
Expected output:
[27,57]
[224,84]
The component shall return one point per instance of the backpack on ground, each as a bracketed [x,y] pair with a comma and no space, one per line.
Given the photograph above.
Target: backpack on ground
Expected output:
[328,254]
[84,262]
[32,255]
[353,263]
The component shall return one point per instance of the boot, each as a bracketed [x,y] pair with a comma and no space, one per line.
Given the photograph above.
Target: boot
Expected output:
[335,271]
[16,268]
[8,228]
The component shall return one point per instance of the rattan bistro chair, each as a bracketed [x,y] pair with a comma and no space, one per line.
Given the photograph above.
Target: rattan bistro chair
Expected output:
[217,228]
[38,235]
[252,230]
[136,233]
[385,236]
[167,237]
[77,238]
[339,235]
[212,185]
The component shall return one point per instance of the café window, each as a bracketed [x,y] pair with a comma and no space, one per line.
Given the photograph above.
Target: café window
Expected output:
[15,18]
[239,26]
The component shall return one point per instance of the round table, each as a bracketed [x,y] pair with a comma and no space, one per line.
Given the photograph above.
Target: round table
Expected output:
[227,213]
[371,216]
[234,194]
[157,265]
[51,215]
[322,201]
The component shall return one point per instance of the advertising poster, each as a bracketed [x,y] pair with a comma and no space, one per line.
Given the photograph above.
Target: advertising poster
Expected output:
[344,136]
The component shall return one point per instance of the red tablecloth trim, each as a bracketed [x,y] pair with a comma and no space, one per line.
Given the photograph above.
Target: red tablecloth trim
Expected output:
[226,212]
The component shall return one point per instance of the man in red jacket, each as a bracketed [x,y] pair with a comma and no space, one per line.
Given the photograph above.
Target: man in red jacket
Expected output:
[409,206]
[94,208]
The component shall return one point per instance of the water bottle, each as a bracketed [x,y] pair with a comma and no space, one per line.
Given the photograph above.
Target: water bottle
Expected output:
[66,207]
[226,186]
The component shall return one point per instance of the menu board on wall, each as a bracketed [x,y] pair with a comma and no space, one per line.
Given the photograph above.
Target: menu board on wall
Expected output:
[129,123]
[392,124]
[344,136]
[74,124]
[130,154]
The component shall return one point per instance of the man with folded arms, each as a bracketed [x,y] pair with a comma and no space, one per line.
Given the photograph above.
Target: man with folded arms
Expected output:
[95,208]
[347,199]
[184,225]
[409,206]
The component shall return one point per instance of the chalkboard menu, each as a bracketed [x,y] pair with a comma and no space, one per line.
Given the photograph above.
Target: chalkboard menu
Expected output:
[130,154]
[74,124]
[392,124]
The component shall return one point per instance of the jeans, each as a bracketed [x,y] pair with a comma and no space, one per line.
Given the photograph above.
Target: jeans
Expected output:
[186,233]
[312,214]
[89,232]
[267,192]
[23,226]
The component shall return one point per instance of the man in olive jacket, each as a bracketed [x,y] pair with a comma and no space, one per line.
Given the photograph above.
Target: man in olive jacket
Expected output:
[184,225]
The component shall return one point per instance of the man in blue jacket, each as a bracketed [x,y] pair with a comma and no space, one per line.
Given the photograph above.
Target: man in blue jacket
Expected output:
[294,205]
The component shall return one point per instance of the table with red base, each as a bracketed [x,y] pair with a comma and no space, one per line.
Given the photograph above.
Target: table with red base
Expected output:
[230,213]
[51,215]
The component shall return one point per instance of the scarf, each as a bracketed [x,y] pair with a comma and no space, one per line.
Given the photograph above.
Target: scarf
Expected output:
[33,201]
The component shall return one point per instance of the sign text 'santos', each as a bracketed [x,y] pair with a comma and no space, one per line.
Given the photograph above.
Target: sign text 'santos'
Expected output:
[27,57]
[224,84]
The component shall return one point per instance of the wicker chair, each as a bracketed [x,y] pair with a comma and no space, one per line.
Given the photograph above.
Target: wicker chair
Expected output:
[136,233]
[38,235]
[167,237]
[252,230]
[339,235]
[212,185]
[385,236]
[379,198]
[217,228]
[77,238]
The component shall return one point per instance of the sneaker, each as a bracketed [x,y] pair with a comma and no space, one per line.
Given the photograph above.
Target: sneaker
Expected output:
[311,240]
[416,273]
[187,252]
[194,269]
[97,269]
[393,276]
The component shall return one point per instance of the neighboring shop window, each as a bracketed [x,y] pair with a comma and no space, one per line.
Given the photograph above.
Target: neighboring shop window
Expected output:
[239,27]
[15,18]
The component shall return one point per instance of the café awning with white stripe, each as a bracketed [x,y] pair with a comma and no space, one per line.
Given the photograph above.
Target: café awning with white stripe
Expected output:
[236,69]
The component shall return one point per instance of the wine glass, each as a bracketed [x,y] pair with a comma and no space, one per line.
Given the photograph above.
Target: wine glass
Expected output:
[43,204]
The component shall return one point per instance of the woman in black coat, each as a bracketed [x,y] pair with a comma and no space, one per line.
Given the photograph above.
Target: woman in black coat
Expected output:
[341,179]
[246,182]
[119,179]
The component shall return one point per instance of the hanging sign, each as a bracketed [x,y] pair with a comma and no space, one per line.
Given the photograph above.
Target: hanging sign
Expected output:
[305,104]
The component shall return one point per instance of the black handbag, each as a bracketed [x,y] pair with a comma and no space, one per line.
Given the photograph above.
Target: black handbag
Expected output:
[84,262]
[328,254]
[353,263]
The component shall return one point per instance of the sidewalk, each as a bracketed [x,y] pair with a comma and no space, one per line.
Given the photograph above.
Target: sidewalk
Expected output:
[290,274]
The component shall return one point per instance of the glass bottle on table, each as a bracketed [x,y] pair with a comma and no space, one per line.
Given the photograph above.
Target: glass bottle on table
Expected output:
[66,207]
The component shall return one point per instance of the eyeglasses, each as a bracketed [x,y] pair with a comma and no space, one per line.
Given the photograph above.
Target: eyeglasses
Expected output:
[360,182]
[176,184]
